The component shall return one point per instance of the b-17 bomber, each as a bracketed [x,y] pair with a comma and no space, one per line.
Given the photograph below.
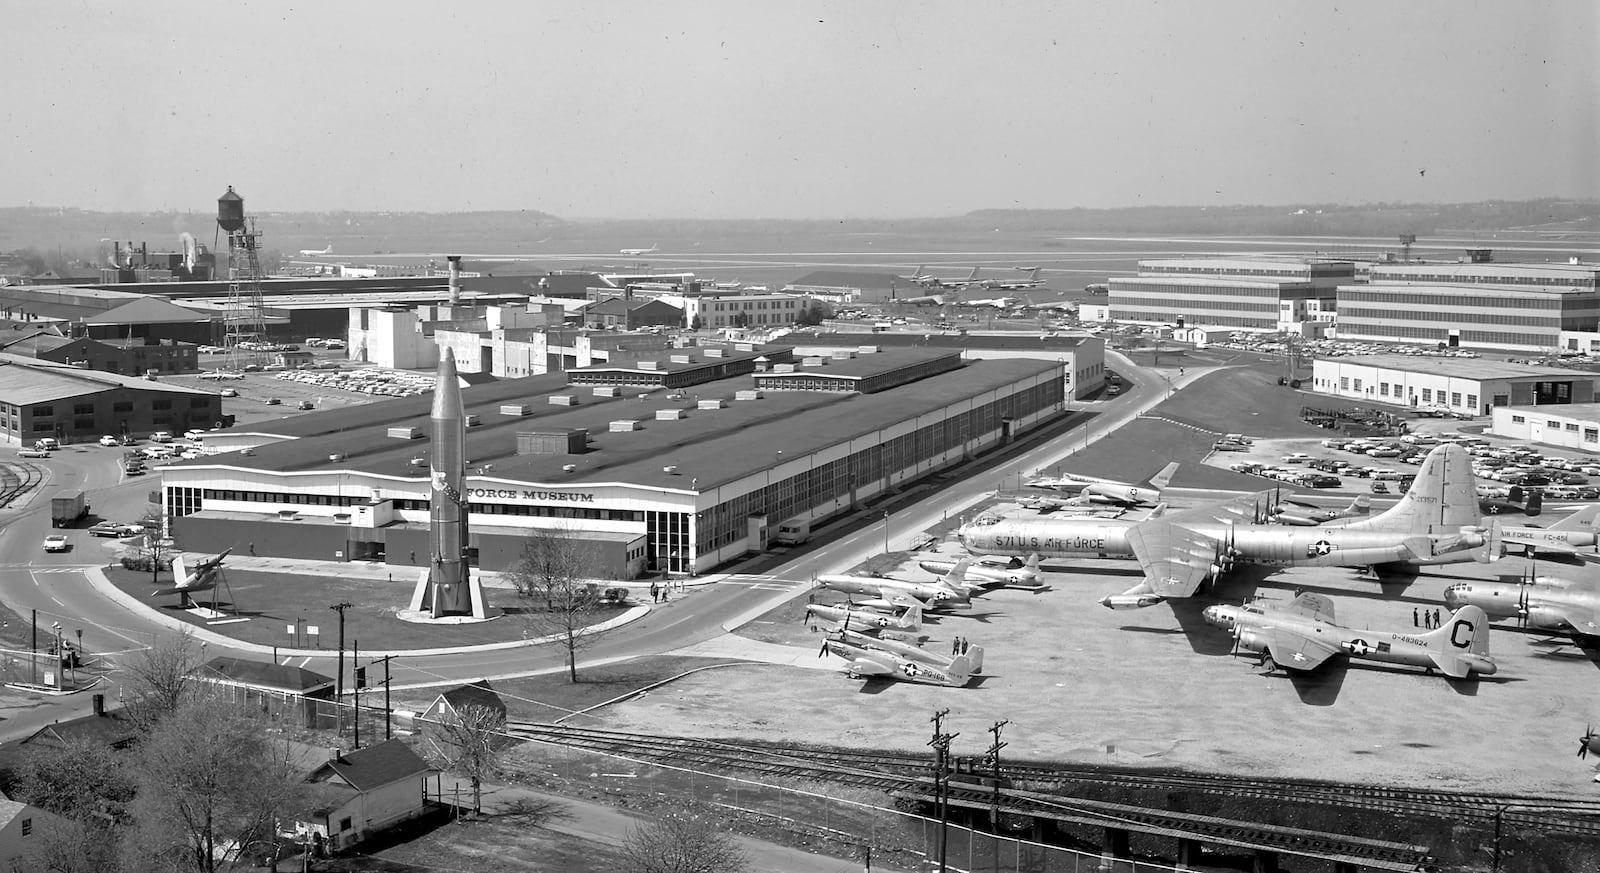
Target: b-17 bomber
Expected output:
[1301,636]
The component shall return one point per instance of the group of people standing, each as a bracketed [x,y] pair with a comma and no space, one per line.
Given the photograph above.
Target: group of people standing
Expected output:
[1425,619]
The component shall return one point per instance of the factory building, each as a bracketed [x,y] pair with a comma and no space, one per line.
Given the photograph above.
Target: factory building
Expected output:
[677,463]
[134,356]
[1576,426]
[714,310]
[1479,304]
[1082,357]
[71,404]
[1245,294]
[1469,386]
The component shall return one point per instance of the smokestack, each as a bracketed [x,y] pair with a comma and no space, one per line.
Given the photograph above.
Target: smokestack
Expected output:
[99,705]
[455,279]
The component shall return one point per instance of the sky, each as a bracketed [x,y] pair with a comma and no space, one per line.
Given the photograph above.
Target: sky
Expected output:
[795,109]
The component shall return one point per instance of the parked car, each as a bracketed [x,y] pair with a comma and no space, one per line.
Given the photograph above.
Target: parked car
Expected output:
[161,436]
[306,404]
[56,543]
[33,453]
[273,401]
[229,392]
[109,440]
[115,529]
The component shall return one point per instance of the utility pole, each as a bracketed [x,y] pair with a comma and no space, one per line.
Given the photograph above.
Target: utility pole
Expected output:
[386,709]
[338,683]
[357,675]
[941,780]
[992,758]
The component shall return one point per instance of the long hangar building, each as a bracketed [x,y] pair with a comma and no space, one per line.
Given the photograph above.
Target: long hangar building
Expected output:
[675,464]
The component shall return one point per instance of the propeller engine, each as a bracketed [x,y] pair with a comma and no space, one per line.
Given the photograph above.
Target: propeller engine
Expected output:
[1585,741]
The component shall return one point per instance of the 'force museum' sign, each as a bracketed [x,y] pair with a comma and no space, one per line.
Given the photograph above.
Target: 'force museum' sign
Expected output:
[528,495]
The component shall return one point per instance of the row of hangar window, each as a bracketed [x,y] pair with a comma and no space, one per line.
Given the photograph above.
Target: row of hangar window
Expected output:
[1590,434]
[1414,333]
[291,499]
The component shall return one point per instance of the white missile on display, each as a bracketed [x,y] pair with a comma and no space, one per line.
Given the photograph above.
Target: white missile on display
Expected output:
[446,589]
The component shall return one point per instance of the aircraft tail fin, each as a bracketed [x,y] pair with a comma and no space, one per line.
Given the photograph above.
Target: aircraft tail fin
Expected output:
[1443,497]
[911,619]
[1535,504]
[1033,562]
[180,574]
[957,577]
[1159,480]
[1034,276]
[967,664]
[1583,518]
[974,274]
[1362,505]
[1159,510]
[1466,631]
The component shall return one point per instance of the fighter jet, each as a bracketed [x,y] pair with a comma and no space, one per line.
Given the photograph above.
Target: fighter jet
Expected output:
[895,593]
[1301,514]
[1107,491]
[1301,635]
[1074,507]
[204,577]
[875,658]
[1546,603]
[981,575]
[868,620]
[1571,537]
[1435,522]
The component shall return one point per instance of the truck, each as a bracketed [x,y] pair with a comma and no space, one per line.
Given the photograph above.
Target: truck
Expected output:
[67,508]
[793,532]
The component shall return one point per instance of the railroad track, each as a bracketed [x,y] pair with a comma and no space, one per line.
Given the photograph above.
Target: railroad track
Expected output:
[892,772]
[16,479]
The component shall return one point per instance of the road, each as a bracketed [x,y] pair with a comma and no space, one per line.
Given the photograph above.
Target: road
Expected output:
[55,585]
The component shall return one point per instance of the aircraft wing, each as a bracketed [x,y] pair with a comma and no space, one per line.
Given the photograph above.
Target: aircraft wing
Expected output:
[1582,619]
[1531,537]
[1295,651]
[1175,559]
[1313,606]
[1245,509]
[869,667]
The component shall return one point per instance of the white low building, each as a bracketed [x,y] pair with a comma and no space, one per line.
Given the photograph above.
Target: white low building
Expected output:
[1472,386]
[1575,426]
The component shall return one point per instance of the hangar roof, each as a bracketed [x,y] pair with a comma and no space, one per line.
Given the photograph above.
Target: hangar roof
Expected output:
[1463,368]
[149,310]
[25,380]
[709,447]
[842,279]
[975,340]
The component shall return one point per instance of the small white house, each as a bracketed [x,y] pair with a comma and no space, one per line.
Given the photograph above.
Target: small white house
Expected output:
[370,790]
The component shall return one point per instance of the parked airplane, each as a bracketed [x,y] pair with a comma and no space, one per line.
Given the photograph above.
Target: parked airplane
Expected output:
[204,577]
[1547,603]
[1587,744]
[1063,507]
[996,302]
[919,277]
[311,253]
[938,282]
[1506,501]
[1099,490]
[895,593]
[868,620]
[654,247]
[876,658]
[1301,635]
[923,300]
[1565,538]
[980,575]
[1033,281]
[1301,514]
[1435,522]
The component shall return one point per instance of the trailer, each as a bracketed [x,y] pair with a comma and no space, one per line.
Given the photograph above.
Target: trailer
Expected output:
[67,508]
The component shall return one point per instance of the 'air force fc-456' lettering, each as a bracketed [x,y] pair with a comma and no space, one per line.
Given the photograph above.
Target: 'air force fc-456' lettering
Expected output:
[1435,522]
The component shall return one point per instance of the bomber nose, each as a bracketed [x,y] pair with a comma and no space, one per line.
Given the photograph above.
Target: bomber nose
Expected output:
[1455,597]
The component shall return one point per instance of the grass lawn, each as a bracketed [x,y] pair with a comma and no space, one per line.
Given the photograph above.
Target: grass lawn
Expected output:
[550,696]
[276,601]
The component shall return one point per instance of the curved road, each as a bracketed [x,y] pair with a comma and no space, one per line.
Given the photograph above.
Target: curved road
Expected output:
[55,585]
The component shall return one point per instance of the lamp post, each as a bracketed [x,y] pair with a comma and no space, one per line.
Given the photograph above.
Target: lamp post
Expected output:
[886,531]
[56,626]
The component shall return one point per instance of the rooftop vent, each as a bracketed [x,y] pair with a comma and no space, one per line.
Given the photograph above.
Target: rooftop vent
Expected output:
[670,469]
[649,365]
[518,408]
[714,352]
[471,421]
[405,433]
[670,415]
[565,399]
[682,359]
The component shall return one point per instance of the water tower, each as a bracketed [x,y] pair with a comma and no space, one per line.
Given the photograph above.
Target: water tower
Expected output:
[244,320]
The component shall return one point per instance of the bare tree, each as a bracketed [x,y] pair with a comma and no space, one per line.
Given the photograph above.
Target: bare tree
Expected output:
[161,678]
[471,742]
[682,843]
[552,577]
[210,781]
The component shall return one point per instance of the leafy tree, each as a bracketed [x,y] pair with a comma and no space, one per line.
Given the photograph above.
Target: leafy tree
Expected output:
[87,788]
[551,578]
[741,319]
[471,742]
[210,782]
[682,843]
[161,678]
[697,323]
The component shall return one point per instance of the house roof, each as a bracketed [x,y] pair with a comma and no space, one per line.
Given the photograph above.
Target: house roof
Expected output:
[373,767]
[148,310]
[260,674]
[34,343]
[479,693]
[113,729]
[10,809]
